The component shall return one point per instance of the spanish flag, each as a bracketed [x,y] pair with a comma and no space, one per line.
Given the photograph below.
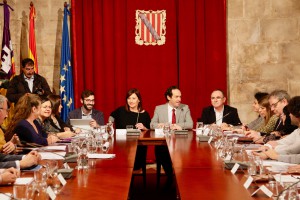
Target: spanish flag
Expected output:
[32,48]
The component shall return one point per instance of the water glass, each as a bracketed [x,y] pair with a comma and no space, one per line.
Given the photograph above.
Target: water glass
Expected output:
[110,128]
[129,127]
[20,192]
[82,160]
[252,166]
[92,145]
[166,128]
[259,164]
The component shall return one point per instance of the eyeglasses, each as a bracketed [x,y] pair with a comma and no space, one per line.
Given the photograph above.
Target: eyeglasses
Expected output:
[274,105]
[89,100]
[7,110]
[218,98]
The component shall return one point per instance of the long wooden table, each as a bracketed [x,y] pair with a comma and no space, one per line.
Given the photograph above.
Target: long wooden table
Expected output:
[199,174]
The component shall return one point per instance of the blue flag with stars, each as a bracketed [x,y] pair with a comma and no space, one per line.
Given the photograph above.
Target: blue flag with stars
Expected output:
[66,78]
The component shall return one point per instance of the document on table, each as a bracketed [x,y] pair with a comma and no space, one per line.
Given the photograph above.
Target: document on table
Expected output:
[287,179]
[57,148]
[53,156]
[101,155]
[23,181]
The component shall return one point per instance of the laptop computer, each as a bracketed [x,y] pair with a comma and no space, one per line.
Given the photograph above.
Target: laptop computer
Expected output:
[83,124]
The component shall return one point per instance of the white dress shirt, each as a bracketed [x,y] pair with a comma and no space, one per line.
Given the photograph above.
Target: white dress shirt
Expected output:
[170,113]
[219,116]
[30,82]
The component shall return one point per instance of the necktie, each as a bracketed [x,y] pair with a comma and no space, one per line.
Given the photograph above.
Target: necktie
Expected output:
[173,116]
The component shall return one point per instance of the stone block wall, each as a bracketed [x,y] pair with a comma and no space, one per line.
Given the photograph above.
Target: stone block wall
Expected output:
[263,50]
[263,45]
[48,33]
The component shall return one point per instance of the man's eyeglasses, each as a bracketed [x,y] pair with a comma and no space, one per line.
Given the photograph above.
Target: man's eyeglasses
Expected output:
[274,105]
[218,98]
[89,100]
[7,110]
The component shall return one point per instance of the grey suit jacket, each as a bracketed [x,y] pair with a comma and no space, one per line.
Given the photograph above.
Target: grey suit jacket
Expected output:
[183,116]
[7,161]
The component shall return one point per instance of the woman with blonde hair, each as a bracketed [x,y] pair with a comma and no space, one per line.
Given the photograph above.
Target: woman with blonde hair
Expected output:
[24,123]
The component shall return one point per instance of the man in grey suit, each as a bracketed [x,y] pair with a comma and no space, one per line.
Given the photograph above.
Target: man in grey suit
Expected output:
[16,161]
[179,116]
[173,112]
[87,111]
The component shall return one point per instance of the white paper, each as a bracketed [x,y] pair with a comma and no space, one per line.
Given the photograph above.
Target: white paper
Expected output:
[285,178]
[62,179]
[276,163]
[199,131]
[5,196]
[248,182]
[23,181]
[66,166]
[235,168]
[51,193]
[159,131]
[58,148]
[121,132]
[264,189]
[53,156]
[101,155]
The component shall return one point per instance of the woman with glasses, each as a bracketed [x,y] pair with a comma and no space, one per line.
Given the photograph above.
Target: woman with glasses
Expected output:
[24,122]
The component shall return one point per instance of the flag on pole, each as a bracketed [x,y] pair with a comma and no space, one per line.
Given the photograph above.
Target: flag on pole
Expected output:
[66,79]
[32,45]
[7,53]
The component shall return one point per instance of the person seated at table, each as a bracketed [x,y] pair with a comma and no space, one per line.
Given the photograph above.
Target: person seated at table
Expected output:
[278,100]
[219,113]
[56,122]
[24,123]
[19,161]
[259,121]
[44,121]
[9,175]
[134,114]
[289,144]
[87,110]
[173,112]
[179,116]
[269,121]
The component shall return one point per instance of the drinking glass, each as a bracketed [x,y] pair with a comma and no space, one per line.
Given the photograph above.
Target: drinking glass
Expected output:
[53,180]
[20,192]
[82,160]
[166,128]
[259,164]
[252,165]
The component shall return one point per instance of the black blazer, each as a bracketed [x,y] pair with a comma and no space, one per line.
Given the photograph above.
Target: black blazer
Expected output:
[209,116]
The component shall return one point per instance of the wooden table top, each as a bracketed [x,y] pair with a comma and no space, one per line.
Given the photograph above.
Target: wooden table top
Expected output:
[199,174]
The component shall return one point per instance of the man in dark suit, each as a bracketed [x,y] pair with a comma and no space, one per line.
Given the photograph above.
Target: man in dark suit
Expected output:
[27,82]
[87,111]
[218,113]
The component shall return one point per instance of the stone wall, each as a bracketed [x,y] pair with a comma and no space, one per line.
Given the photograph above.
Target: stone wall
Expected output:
[263,45]
[48,33]
[263,50]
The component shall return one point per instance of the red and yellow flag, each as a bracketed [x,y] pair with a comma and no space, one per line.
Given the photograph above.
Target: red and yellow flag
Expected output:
[32,48]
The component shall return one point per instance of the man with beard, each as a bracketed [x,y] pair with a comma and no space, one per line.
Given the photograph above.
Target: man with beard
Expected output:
[87,110]
[27,82]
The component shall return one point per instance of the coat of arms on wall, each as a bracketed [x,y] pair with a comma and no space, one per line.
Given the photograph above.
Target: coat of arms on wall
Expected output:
[150,28]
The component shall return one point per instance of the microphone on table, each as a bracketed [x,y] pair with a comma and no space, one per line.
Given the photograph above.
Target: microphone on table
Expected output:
[222,117]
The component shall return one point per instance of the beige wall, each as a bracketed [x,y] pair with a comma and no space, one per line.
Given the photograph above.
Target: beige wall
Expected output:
[48,34]
[263,50]
[263,45]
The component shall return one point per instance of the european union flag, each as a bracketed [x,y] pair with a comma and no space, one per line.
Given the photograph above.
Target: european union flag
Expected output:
[66,79]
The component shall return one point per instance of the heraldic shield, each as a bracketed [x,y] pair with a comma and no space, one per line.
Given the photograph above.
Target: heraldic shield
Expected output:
[150,28]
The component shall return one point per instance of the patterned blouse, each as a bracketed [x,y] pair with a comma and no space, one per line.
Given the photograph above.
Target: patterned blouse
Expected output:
[270,126]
